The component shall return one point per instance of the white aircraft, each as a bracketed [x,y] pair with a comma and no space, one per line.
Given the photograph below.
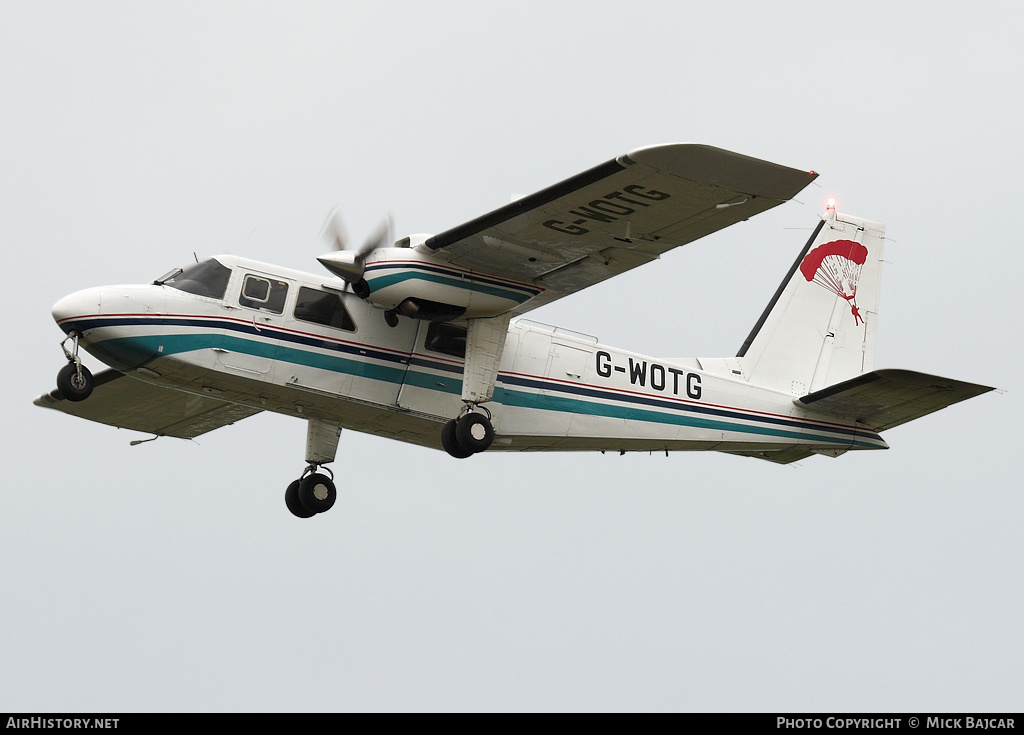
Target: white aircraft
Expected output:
[422,341]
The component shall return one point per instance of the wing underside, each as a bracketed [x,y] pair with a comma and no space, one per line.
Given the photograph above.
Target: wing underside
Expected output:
[127,403]
[617,216]
[787,455]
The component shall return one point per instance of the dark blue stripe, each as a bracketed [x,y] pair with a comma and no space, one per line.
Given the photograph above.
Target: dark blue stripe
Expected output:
[503,379]
[247,329]
[671,405]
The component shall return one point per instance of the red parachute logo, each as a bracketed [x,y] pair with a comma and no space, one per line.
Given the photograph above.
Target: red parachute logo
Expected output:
[836,267]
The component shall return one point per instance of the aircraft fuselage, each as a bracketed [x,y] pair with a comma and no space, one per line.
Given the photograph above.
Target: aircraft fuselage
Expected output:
[270,343]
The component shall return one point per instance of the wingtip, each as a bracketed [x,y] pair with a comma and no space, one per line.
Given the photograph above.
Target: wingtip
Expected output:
[707,164]
[47,400]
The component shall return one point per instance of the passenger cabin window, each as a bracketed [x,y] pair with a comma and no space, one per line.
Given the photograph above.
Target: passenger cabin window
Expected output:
[205,278]
[323,307]
[265,294]
[448,339]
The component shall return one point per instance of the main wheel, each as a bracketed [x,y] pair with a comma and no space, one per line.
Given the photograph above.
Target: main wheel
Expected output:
[291,499]
[74,386]
[317,493]
[474,432]
[451,443]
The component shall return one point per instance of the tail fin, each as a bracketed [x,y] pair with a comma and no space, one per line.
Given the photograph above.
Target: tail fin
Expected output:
[819,328]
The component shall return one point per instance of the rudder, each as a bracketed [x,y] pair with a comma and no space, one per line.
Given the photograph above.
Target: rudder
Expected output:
[819,328]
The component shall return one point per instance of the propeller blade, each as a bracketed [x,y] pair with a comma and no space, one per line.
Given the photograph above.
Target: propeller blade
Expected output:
[381,237]
[333,230]
[349,264]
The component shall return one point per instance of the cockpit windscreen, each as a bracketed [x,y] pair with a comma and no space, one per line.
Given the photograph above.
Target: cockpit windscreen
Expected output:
[205,278]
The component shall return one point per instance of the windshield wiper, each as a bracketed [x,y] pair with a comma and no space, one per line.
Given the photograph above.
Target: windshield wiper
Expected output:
[169,275]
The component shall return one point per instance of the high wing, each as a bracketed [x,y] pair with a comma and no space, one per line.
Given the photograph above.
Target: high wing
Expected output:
[617,216]
[127,403]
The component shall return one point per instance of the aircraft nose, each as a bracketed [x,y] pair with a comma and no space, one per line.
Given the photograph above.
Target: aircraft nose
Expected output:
[74,306]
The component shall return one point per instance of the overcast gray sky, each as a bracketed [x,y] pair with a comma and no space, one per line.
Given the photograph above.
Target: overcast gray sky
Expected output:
[170,576]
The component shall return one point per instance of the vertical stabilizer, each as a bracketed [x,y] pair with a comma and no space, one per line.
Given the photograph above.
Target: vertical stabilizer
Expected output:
[819,328]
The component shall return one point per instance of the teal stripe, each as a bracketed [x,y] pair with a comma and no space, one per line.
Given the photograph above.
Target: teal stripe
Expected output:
[575,405]
[429,381]
[378,283]
[178,343]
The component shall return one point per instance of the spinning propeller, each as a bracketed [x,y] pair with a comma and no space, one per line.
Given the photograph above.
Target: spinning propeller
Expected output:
[347,262]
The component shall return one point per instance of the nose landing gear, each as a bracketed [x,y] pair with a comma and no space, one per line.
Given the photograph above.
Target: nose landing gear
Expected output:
[74,381]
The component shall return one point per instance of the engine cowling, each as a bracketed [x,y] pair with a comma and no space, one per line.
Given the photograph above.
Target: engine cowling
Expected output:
[424,286]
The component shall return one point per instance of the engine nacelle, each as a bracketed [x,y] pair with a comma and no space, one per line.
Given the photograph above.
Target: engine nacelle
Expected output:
[424,286]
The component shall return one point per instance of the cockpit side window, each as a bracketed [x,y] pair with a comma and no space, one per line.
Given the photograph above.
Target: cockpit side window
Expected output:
[265,294]
[323,307]
[206,278]
[448,339]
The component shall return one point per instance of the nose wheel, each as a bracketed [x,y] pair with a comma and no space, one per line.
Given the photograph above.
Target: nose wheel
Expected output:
[74,381]
[467,435]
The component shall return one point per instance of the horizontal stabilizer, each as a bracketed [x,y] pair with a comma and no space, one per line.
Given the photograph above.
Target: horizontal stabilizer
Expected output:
[883,399]
[127,403]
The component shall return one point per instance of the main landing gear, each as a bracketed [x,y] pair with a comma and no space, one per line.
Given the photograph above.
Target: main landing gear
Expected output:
[74,381]
[472,431]
[312,493]
[468,434]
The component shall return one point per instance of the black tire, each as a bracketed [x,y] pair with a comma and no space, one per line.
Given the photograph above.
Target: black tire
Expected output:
[451,443]
[474,432]
[317,493]
[291,499]
[72,386]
